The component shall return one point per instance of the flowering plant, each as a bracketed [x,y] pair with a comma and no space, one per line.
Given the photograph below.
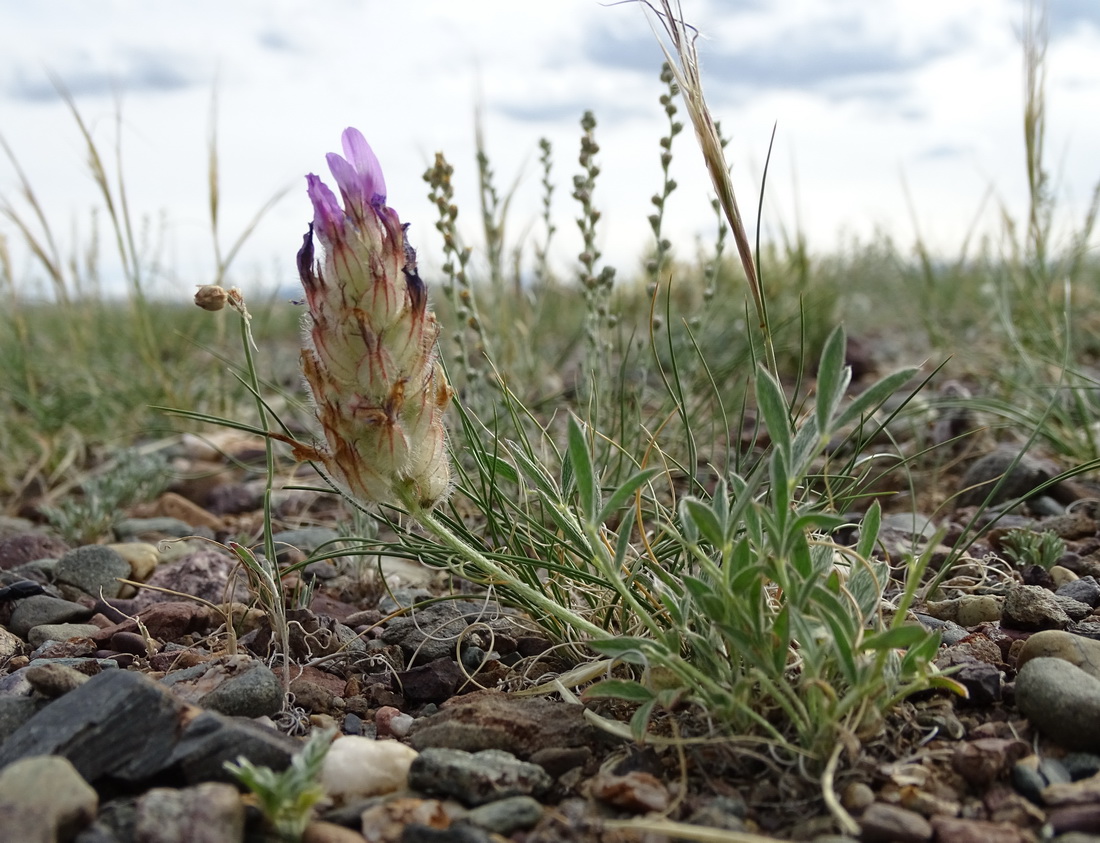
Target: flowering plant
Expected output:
[370,353]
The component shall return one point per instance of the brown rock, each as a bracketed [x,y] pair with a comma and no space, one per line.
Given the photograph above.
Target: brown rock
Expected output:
[1084,818]
[435,681]
[987,759]
[29,547]
[493,720]
[1083,792]
[882,823]
[386,821]
[173,505]
[322,832]
[55,679]
[957,830]
[201,573]
[636,791]
[166,622]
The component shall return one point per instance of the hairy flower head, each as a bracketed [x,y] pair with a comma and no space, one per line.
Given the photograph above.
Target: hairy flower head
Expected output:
[370,352]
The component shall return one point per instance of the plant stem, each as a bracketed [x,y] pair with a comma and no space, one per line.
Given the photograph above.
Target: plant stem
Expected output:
[484,564]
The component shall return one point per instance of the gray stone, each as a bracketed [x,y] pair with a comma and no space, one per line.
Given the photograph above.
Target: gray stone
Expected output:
[1074,609]
[94,569]
[1062,701]
[123,726]
[1022,476]
[1084,590]
[44,799]
[117,724]
[176,528]
[427,634]
[476,778]
[39,635]
[211,739]
[305,540]
[14,712]
[255,692]
[84,664]
[206,813]
[505,816]
[41,608]
[237,686]
[1032,607]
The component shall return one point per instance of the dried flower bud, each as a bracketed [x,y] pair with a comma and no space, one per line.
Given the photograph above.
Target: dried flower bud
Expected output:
[211,297]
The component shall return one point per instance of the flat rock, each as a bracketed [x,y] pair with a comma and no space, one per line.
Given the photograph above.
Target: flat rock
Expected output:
[475,778]
[94,569]
[123,726]
[505,816]
[958,830]
[493,720]
[43,632]
[1054,643]
[14,712]
[166,621]
[41,608]
[1062,701]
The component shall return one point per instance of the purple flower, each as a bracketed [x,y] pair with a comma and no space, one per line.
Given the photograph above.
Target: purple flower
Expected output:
[370,354]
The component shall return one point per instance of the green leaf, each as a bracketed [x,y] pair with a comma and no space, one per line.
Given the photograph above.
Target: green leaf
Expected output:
[628,649]
[868,531]
[499,466]
[833,378]
[640,721]
[619,689]
[536,474]
[871,398]
[782,631]
[588,493]
[703,517]
[626,491]
[898,638]
[773,407]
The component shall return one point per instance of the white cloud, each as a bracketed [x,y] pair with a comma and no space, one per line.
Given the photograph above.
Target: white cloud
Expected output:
[931,90]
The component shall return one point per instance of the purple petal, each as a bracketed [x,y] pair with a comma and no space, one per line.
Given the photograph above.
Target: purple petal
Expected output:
[350,183]
[328,216]
[362,158]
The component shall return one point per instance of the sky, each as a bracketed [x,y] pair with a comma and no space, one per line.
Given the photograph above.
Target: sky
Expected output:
[892,117]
